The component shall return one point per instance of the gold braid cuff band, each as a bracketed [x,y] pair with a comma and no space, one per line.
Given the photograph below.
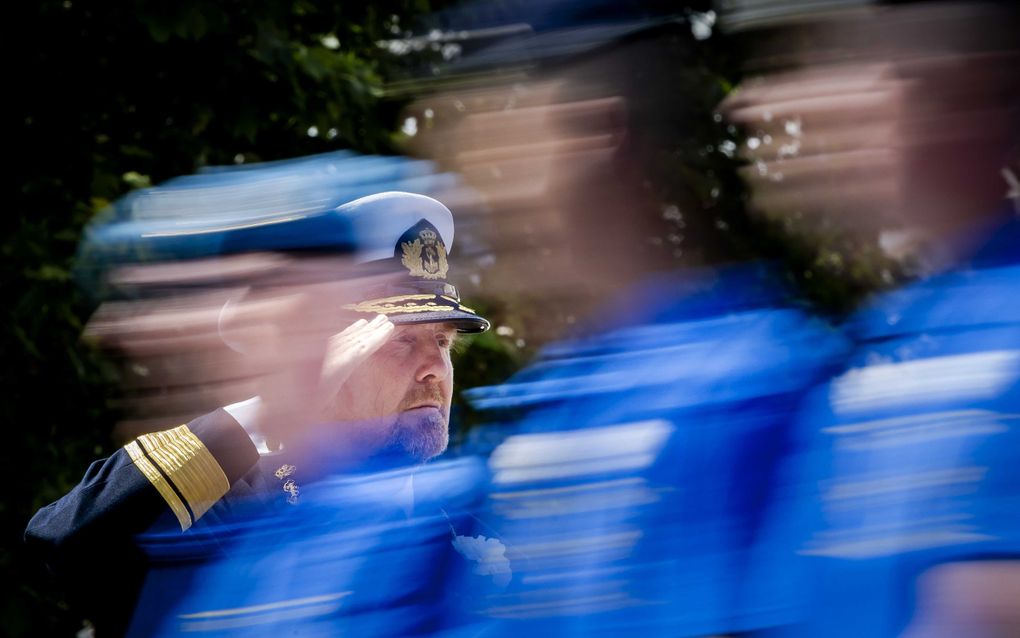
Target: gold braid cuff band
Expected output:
[150,472]
[189,465]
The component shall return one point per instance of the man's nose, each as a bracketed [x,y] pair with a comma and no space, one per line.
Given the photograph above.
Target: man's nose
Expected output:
[434,363]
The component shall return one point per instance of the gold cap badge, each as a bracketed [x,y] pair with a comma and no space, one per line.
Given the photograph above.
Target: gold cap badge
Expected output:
[425,256]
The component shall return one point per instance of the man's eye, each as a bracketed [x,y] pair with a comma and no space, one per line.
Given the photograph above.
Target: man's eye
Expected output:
[445,341]
[402,340]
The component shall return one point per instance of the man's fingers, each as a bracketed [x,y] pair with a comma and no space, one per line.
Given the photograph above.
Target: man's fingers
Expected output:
[348,349]
[369,335]
[357,331]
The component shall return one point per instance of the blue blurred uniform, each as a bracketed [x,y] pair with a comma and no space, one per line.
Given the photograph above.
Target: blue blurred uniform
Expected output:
[630,497]
[365,554]
[911,457]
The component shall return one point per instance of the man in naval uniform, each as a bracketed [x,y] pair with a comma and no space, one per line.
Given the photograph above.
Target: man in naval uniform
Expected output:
[383,390]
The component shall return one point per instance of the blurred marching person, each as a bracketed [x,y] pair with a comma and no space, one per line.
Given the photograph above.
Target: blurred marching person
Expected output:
[902,122]
[632,461]
[344,318]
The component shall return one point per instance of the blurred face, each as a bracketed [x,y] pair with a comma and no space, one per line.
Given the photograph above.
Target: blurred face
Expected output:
[399,398]
[895,121]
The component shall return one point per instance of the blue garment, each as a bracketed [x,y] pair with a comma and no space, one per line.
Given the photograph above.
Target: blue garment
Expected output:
[356,555]
[630,496]
[911,456]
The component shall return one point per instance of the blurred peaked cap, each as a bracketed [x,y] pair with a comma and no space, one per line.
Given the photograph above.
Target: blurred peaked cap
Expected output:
[408,235]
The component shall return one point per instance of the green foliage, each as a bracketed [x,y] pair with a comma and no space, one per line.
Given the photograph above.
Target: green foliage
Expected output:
[486,359]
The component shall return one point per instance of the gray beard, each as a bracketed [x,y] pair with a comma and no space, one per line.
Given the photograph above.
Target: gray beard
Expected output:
[421,436]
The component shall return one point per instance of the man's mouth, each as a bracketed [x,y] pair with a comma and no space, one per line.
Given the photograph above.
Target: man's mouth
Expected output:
[424,397]
[427,404]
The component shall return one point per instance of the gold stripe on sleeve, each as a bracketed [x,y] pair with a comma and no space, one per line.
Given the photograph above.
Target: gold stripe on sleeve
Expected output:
[159,482]
[190,466]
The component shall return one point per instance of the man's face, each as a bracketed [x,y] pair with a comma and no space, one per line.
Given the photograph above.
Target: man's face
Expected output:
[399,398]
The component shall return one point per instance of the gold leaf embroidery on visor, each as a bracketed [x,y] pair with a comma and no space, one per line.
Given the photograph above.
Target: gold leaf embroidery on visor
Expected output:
[403,304]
